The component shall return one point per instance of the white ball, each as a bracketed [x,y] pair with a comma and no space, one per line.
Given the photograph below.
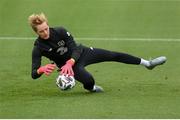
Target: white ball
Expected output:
[65,82]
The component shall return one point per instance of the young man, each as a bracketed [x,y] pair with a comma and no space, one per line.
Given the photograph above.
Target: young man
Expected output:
[58,45]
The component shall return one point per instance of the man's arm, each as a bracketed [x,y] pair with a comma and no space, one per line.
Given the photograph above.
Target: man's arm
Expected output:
[36,62]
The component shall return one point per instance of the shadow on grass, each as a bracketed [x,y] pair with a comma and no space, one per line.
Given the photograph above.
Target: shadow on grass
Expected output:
[59,93]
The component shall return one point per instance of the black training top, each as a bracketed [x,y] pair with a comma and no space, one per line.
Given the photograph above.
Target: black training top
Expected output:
[59,48]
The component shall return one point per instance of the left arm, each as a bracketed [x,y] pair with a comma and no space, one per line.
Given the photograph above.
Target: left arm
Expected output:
[76,52]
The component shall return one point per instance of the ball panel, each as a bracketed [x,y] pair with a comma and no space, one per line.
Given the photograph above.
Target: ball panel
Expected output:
[65,82]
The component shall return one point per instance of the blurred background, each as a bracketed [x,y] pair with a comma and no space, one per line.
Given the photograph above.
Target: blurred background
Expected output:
[144,28]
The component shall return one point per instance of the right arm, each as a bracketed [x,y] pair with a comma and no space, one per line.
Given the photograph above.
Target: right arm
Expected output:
[36,62]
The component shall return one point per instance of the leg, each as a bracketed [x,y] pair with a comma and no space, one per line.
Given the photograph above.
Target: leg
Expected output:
[83,76]
[86,79]
[100,55]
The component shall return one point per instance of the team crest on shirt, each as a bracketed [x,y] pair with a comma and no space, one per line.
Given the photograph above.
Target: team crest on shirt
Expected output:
[61,43]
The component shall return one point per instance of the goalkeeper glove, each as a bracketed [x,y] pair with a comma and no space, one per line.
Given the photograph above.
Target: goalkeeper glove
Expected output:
[47,69]
[67,68]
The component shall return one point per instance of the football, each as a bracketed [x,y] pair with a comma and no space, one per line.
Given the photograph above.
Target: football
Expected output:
[65,82]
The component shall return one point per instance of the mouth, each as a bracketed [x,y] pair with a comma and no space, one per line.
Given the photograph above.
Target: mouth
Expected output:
[46,36]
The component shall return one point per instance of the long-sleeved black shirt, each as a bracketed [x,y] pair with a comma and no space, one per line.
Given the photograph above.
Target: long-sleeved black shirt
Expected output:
[59,48]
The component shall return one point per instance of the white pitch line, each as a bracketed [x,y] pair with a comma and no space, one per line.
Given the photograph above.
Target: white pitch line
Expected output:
[132,39]
[17,38]
[102,39]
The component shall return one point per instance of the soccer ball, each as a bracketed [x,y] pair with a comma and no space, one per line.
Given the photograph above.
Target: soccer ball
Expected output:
[65,82]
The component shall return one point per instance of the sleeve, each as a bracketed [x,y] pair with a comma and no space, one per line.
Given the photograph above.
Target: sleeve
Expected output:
[36,62]
[71,44]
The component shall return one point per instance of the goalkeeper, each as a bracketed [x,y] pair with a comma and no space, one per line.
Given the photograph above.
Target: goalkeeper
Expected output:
[58,45]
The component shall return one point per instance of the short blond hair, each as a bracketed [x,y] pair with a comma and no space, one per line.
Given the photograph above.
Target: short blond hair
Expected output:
[37,19]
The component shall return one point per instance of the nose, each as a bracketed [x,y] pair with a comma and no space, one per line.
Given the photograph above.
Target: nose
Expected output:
[45,32]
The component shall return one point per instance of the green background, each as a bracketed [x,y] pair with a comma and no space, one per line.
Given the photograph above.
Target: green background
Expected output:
[130,91]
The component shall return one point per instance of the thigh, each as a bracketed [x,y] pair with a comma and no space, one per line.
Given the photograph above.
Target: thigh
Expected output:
[97,55]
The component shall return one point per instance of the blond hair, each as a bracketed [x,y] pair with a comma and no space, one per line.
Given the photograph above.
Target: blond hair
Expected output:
[37,19]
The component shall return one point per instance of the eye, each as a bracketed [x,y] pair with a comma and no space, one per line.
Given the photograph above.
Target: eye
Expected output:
[41,31]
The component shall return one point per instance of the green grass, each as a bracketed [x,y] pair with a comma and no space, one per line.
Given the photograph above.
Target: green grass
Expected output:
[130,91]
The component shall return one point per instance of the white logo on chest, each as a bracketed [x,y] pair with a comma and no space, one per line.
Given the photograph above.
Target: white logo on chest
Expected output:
[61,50]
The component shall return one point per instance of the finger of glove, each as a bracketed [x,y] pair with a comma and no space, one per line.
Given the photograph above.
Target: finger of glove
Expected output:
[71,72]
[64,71]
[68,72]
[50,67]
[42,69]
[49,71]
[61,70]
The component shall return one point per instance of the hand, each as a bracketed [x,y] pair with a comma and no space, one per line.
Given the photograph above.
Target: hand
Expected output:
[47,69]
[67,68]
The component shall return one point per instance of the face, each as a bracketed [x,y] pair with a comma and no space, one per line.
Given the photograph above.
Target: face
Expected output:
[43,30]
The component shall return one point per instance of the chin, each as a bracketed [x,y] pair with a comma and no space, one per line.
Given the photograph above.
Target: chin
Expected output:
[46,38]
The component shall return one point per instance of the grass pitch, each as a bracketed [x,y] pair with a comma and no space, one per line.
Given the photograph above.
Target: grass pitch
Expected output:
[130,91]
